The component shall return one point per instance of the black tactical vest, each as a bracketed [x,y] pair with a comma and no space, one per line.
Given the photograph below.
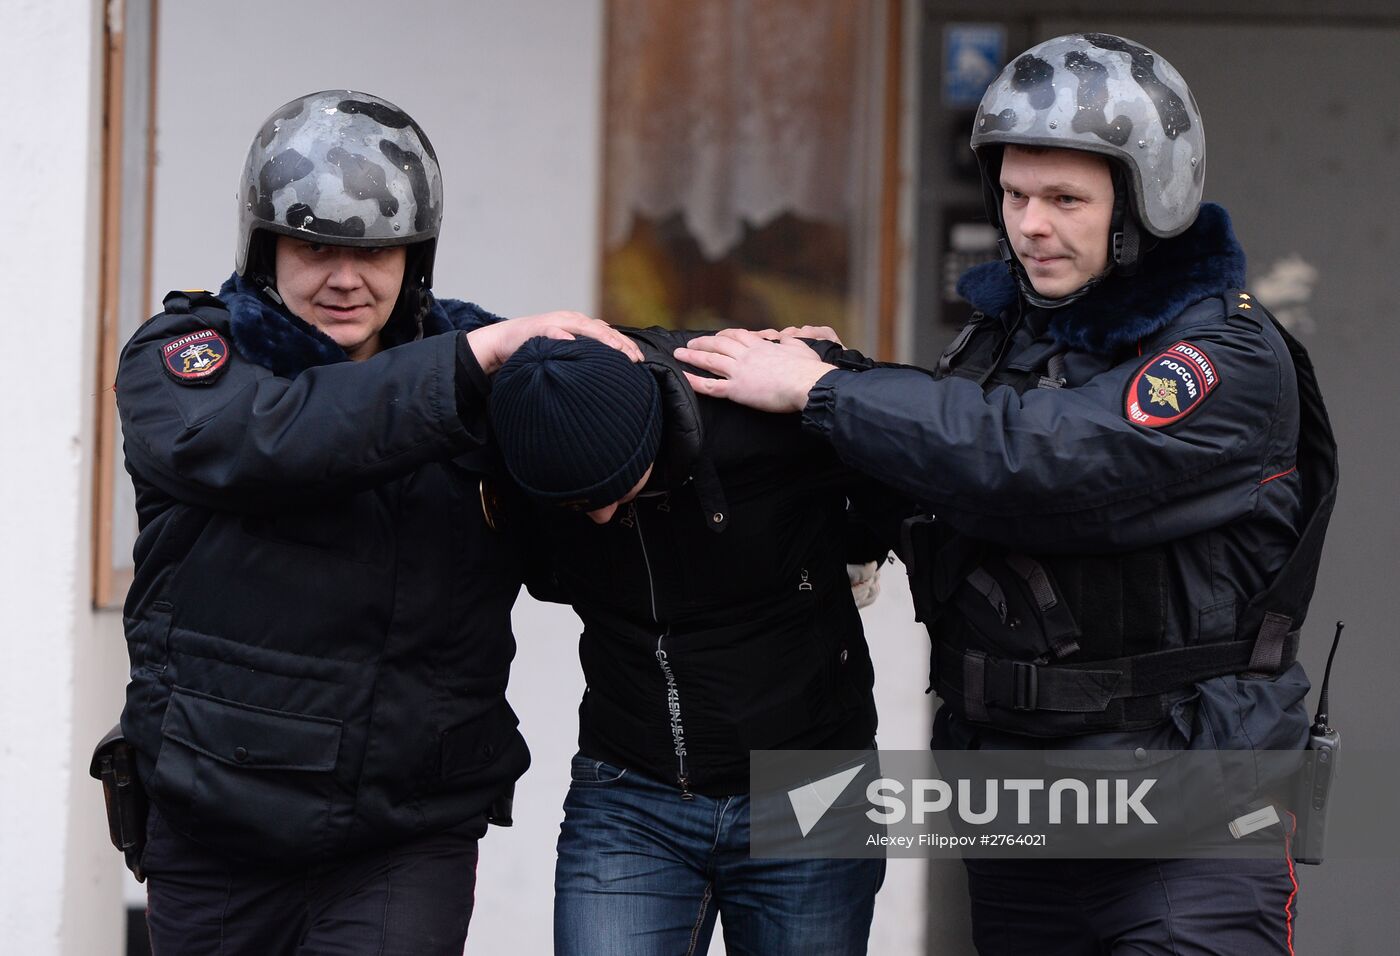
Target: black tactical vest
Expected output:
[1055,645]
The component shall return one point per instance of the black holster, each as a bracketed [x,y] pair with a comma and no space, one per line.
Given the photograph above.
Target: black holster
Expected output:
[114,763]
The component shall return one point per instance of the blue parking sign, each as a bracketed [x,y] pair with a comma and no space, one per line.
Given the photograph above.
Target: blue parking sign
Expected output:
[973,54]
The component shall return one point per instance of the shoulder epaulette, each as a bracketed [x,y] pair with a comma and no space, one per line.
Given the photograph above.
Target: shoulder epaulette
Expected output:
[186,300]
[1242,303]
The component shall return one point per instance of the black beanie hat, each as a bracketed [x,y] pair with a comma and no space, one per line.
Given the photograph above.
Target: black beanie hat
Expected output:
[578,423]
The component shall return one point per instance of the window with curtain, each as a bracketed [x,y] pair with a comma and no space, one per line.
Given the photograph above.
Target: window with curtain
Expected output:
[742,164]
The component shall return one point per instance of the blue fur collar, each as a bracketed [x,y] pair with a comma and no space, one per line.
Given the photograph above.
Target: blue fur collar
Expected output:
[1203,261]
[274,338]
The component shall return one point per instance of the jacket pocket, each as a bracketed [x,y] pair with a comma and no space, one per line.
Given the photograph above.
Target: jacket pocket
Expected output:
[258,783]
[474,745]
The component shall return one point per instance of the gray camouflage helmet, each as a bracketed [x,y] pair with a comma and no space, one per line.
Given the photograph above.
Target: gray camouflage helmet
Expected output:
[343,168]
[1104,94]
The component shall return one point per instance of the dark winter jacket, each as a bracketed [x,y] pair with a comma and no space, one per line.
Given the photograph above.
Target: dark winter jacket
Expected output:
[319,625]
[1111,478]
[716,607]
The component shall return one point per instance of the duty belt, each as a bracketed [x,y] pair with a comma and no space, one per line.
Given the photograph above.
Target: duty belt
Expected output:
[1146,684]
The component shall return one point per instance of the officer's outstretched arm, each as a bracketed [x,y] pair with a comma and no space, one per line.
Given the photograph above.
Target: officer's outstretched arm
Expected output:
[1060,465]
[244,438]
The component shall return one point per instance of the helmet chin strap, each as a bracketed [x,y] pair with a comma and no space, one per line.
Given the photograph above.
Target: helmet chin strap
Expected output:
[260,268]
[1126,239]
[415,295]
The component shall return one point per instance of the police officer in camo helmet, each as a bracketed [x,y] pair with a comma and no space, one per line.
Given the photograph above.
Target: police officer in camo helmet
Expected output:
[1127,472]
[319,624]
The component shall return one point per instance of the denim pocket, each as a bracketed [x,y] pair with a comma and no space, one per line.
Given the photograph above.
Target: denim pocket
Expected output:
[586,770]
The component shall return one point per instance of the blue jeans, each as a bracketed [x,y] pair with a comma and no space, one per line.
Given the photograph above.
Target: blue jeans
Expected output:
[642,872]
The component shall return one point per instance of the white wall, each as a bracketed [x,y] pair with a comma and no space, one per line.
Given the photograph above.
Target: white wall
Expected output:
[59,892]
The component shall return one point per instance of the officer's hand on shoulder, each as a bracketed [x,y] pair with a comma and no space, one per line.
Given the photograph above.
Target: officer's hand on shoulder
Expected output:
[751,370]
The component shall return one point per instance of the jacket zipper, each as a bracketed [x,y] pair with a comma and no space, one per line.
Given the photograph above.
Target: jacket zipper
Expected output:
[673,697]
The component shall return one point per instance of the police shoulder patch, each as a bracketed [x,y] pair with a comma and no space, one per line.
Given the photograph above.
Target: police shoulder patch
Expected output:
[1169,386]
[197,358]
